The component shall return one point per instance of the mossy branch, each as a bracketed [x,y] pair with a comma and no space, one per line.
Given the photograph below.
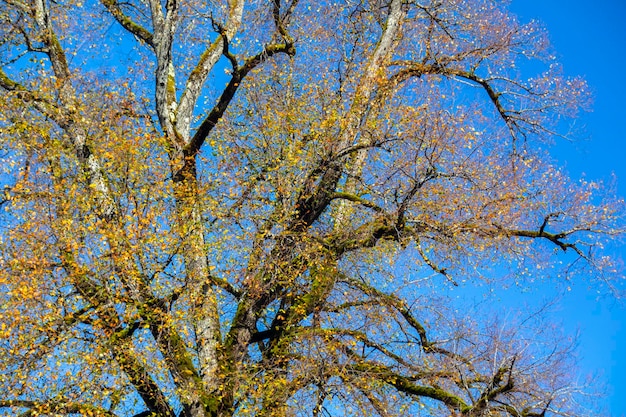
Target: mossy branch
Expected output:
[113,7]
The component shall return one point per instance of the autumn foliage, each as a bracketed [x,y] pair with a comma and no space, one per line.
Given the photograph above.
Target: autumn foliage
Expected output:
[220,208]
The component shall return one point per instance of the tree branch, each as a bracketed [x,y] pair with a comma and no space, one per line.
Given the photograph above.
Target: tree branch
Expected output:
[414,69]
[494,388]
[201,71]
[405,385]
[556,238]
[432,265]
[218,110]
[281,22]
[357,199]
[400,306]
[139,31]
[55,407]
[43,105]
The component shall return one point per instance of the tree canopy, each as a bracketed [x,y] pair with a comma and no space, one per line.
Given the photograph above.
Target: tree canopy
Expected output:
[231,208]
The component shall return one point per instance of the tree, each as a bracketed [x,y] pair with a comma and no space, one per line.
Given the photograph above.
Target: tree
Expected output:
[221,208]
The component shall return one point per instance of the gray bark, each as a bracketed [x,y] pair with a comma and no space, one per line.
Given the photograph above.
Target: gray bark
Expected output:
[358,112]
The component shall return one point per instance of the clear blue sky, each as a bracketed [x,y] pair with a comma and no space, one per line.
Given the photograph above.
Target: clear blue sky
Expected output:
[590,40]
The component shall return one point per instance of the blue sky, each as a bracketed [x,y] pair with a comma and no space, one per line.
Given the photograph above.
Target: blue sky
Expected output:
[590,40]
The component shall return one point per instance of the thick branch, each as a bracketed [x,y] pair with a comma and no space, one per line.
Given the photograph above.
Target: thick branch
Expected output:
[146,387]
[122,350]
[65,114]
[120,346]
[415,69]
[556,238]
[365,236]
[282,21]
[368,84]
[54,50]
[228,94]
[163,39]
[496,387]
[139,31]
[493,94]
[207,61]
[405,385]
[357,199]
[43,105]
